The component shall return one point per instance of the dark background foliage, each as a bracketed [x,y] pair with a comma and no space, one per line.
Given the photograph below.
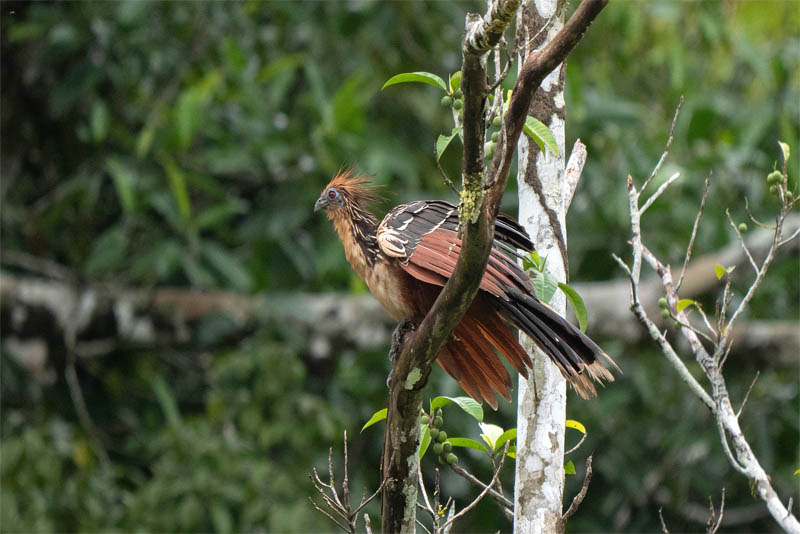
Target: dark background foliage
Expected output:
[156,144]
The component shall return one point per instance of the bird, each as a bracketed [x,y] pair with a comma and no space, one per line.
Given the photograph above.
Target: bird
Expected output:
[407,257]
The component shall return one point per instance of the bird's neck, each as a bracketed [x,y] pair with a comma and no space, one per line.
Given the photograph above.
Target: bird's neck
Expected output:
[357,229]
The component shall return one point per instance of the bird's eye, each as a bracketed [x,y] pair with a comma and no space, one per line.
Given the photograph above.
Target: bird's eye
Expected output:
[332,193]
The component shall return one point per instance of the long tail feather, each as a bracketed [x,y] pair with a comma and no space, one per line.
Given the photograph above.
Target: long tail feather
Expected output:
[578,358]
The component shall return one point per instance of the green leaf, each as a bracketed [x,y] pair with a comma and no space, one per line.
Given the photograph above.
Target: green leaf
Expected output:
[797,472]
[144,140]
[467,404]
[221,517]
[491,433]
[532,261]
[577,304]
[455,81]
[571,423]
[177,183]
[219,213]
[189,110]
[227,265]
[197,274]
[569,468]
[167,401]
[467,443]
[544,285]
[123,182]
[512,452]
[421,77]
[785,150]
[720,271]
[108,251]
[508,435]
[541,134]
[380,415]
[684,303]
[444,141]
[99,121]
[424,440]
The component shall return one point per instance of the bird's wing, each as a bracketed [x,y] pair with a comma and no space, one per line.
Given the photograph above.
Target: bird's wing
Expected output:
[423,235]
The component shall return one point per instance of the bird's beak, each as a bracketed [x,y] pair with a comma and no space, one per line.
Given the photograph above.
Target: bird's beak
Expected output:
[321,203]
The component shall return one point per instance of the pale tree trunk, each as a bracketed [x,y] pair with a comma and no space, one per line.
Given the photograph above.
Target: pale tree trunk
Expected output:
[543,199]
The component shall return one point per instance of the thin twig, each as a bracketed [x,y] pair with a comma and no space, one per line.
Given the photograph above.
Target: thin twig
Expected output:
[575,448]
[694,233]
[666,149]
[501,499]
[794,234]
[741,241]
[663,187]
[746,395]
[578,499]
[327,514]
[482,494]
[661,517]
[713,526]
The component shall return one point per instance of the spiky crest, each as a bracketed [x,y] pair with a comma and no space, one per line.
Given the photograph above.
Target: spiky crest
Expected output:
[356,189]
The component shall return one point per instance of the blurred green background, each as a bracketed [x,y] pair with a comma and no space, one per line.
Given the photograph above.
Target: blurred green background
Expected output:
[151,145]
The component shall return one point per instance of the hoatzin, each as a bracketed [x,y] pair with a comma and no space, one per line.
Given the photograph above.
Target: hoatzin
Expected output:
[405,260]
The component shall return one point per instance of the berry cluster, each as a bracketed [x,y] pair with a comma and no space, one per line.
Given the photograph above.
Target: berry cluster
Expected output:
[441,447]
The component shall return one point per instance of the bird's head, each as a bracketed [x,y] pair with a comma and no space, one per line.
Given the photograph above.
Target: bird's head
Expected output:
[346,189]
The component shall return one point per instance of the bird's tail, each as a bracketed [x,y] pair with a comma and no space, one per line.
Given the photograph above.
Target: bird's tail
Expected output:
[578,358]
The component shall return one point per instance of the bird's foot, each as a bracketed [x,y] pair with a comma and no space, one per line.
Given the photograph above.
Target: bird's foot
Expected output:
[398,336]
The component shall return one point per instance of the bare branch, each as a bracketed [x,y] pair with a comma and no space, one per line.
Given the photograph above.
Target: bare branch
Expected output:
[661,517]
[575,448]
[578,499]
[713,526]
[741,241]
[663,187]
[327,514]
[746,395]
[694,233]
[666,148]
[501,499]
[572,175]
[482,494]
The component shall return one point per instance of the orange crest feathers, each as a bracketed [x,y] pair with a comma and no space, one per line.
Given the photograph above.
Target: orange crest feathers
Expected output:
[354,188]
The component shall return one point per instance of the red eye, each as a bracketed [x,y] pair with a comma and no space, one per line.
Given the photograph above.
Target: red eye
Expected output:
[331,194]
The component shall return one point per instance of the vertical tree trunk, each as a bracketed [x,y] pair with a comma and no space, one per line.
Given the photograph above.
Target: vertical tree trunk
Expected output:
[539,484]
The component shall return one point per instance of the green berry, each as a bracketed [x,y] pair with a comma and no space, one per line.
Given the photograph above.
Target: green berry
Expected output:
[434,433]
[438,421]
[665,314]
[437,448]
[495,135]
[742,227]
[789,196]
[424,420]
[447,446]
[442,436]
[459,93]
[447,101]
[458,103]
[773,189]
[441,460]
[677,325]
[662,303]
[452,459]
[774,177]
[497,121]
